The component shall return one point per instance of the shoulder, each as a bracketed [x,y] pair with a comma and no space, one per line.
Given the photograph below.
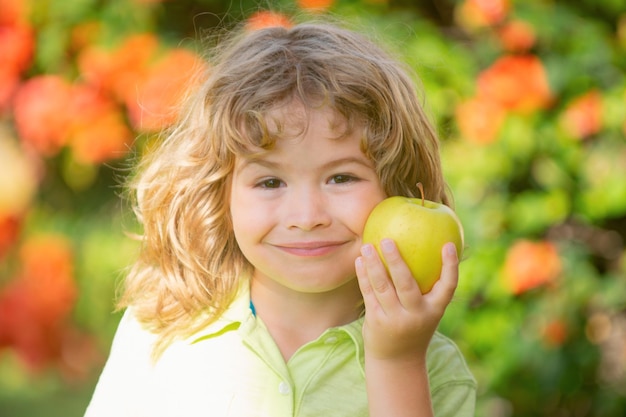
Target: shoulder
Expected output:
[124,379]
[132,334]
[446,364]
[452,385]
[131,348]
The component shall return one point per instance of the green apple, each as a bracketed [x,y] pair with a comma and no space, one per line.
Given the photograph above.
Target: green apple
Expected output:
[420,229]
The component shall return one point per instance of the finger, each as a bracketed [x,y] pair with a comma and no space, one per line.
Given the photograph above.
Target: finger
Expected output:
[444,289]
[382,286]
[369,298]
[406,287]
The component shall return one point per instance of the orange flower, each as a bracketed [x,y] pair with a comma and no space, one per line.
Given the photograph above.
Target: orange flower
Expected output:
[517,82]
[473,14]
[583,116]
[40,112]
[530,264]
[47,274]
[479,120]
[13,11]
[265,19]
[315,5]
[99,132]
[555,332]
[119,71]
[159,95]
[106,138]
[516,36]
[51,113]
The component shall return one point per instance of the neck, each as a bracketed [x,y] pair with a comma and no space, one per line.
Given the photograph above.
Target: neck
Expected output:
[295,318]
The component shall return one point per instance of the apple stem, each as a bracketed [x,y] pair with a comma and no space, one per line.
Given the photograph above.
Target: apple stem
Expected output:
[420,187]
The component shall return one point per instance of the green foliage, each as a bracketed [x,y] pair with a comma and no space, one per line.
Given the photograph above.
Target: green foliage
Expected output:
[540,312]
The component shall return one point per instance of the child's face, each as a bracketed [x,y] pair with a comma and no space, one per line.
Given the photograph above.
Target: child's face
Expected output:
[298,211]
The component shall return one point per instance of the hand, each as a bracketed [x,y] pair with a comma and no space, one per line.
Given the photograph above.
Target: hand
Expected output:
[399,319]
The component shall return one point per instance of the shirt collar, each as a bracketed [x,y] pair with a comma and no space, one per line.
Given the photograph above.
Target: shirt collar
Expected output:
[236,313]
[242,311]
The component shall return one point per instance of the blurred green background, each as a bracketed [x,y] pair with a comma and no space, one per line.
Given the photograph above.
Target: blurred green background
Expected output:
[529,98]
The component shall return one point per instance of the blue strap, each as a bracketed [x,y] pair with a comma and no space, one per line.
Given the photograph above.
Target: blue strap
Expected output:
[252,308]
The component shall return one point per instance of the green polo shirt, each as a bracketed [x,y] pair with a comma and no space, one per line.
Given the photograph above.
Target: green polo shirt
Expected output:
[234,368]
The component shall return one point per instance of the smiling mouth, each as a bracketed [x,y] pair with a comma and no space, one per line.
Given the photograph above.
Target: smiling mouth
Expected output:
[310,248]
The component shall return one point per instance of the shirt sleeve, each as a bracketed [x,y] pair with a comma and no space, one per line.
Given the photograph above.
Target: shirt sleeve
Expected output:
[452,385]
[125,378]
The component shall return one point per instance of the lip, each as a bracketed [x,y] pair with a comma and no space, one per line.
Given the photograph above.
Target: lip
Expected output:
[309,249]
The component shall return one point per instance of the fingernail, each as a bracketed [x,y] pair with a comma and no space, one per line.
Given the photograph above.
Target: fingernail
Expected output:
[450,249]
[367,250]
[387,245]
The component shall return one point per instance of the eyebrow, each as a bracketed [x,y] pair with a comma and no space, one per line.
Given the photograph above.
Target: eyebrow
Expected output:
[330,164]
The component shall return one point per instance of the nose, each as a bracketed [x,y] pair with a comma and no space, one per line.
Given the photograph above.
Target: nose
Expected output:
[307,208]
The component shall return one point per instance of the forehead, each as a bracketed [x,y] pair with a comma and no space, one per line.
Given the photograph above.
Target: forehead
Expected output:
[294,119]
[303,136]
[288,122]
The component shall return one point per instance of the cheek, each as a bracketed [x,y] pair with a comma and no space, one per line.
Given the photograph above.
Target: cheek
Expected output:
[357,213]
[240,214]
[249,218]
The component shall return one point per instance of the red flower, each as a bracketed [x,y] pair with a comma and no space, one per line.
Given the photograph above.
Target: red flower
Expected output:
[158,97]
[530,264]
[51,113]
[40,112]
[265,19]
[479,120]
[14,313]
[516,36]
[10,228]
[17,43]
[583,116]
[516,82]
[34,307]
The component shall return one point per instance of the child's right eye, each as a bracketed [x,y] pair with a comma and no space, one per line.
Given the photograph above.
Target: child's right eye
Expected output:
[270,183]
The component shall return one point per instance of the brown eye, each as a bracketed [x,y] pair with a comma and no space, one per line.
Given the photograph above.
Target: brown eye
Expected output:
[270,183]
[341,178]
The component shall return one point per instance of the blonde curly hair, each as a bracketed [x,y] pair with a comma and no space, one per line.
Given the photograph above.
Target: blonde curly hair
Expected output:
[190,266]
